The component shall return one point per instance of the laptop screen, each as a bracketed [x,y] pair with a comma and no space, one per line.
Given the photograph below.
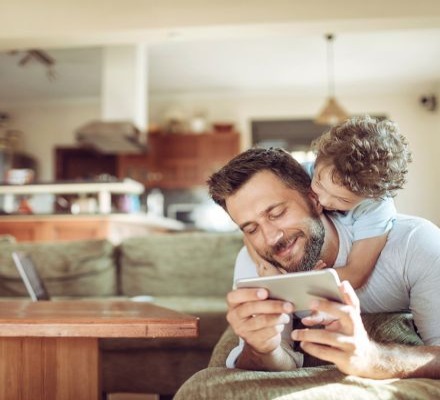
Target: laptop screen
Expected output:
[29,274]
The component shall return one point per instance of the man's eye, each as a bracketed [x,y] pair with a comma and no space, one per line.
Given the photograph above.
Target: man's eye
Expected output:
[276,214]
[250,230]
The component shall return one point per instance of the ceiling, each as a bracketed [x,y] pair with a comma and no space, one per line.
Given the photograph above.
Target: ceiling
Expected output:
[379,61]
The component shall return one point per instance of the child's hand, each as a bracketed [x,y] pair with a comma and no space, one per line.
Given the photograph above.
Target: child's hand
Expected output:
[320,265]
[266,269]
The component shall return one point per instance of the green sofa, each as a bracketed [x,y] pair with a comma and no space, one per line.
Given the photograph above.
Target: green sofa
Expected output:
[317,380]
[188,272]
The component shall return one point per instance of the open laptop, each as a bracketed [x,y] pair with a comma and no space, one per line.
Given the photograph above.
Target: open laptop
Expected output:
[30,276]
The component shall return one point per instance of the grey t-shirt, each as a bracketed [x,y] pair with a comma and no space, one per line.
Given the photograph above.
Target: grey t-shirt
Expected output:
[406,276]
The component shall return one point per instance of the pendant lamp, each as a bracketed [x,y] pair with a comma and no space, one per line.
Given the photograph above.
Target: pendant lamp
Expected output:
[332,113]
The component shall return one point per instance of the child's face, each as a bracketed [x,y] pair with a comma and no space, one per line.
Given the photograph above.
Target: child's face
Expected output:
[331,195]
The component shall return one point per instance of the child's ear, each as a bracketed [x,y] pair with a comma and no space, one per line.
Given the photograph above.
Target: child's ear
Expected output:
[316,204]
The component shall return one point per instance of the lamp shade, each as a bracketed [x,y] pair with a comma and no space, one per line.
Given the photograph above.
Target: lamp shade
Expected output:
[332,113]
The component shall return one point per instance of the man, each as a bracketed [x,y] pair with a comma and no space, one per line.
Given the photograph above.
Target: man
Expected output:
[267,193]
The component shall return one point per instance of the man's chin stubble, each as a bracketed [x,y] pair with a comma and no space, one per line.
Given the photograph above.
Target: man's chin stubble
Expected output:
[312,251]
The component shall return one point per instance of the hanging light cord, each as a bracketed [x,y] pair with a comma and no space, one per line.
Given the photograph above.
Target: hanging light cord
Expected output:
[330,65]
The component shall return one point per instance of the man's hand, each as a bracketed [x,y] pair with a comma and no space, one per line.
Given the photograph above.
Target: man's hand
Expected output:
[259,321]
[256,319]
[344,340]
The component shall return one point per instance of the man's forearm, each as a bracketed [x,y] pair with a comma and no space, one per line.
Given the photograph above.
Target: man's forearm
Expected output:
[282,358]
[400,361]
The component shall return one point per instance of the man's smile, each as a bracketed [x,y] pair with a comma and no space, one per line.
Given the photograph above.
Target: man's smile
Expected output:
[284,248]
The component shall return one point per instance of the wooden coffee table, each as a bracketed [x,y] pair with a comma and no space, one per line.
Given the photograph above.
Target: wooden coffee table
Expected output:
[49,349]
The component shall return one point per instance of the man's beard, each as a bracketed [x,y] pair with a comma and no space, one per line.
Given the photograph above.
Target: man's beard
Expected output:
[312,248]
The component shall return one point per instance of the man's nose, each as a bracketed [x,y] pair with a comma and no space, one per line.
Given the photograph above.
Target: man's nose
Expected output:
[272,233]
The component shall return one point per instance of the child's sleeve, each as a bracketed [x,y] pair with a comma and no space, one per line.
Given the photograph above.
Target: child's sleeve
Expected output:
[373,218]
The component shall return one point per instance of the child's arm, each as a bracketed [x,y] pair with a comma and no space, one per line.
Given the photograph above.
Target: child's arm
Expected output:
[263,267]
[362,260]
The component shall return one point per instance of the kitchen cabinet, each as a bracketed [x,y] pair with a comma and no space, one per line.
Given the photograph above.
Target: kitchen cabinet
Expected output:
[172,161]
[113,227]
[186,160]
[78,163]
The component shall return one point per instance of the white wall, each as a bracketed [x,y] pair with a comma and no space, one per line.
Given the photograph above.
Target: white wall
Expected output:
[48,124]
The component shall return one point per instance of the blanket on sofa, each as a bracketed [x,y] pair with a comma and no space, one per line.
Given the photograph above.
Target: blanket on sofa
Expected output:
[313,382]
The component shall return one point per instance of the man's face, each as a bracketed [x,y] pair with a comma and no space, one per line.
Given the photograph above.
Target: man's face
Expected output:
[281,225]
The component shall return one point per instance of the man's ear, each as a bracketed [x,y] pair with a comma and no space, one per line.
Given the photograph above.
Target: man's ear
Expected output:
[316,204]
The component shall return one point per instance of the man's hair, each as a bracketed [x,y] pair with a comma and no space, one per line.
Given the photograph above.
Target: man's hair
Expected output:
[229,179]
[369,157]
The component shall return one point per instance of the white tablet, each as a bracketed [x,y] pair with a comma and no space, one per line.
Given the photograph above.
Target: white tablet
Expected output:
[299,288]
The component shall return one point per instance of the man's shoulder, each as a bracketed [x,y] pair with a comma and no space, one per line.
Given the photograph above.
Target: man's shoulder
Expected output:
[244,266]
[414,226]
[413,222]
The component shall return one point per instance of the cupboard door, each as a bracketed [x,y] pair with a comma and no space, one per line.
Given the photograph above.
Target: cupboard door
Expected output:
[77,230]
[73,163]
[218,149]
[187,160]
[134,166]
[23,232]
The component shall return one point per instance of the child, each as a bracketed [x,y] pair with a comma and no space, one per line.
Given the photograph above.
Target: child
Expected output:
[359,165]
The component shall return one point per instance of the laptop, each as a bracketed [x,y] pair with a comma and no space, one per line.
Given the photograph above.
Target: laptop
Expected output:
[30,276]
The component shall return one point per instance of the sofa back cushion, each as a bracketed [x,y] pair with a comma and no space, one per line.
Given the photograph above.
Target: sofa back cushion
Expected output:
[80,268]
[176,264]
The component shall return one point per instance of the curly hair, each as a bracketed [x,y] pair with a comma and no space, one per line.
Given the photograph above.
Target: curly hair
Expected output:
[230,178]
[368,156]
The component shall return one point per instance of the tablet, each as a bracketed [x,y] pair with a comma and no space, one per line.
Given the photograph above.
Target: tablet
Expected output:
[30,276]
[299,288]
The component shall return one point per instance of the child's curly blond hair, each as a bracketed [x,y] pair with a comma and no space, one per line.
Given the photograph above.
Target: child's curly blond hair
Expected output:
[368,156]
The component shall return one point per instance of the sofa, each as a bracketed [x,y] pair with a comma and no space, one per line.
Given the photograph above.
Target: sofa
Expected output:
[189,272]
[317,380]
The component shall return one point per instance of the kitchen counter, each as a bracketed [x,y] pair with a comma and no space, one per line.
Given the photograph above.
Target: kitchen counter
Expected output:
[62,227]
[103,191]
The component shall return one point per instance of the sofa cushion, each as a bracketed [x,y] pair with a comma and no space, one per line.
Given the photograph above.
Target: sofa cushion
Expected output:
[190,264]
[7,239]
[80,268]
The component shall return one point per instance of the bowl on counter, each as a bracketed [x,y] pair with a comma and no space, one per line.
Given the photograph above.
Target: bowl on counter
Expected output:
[223,127]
